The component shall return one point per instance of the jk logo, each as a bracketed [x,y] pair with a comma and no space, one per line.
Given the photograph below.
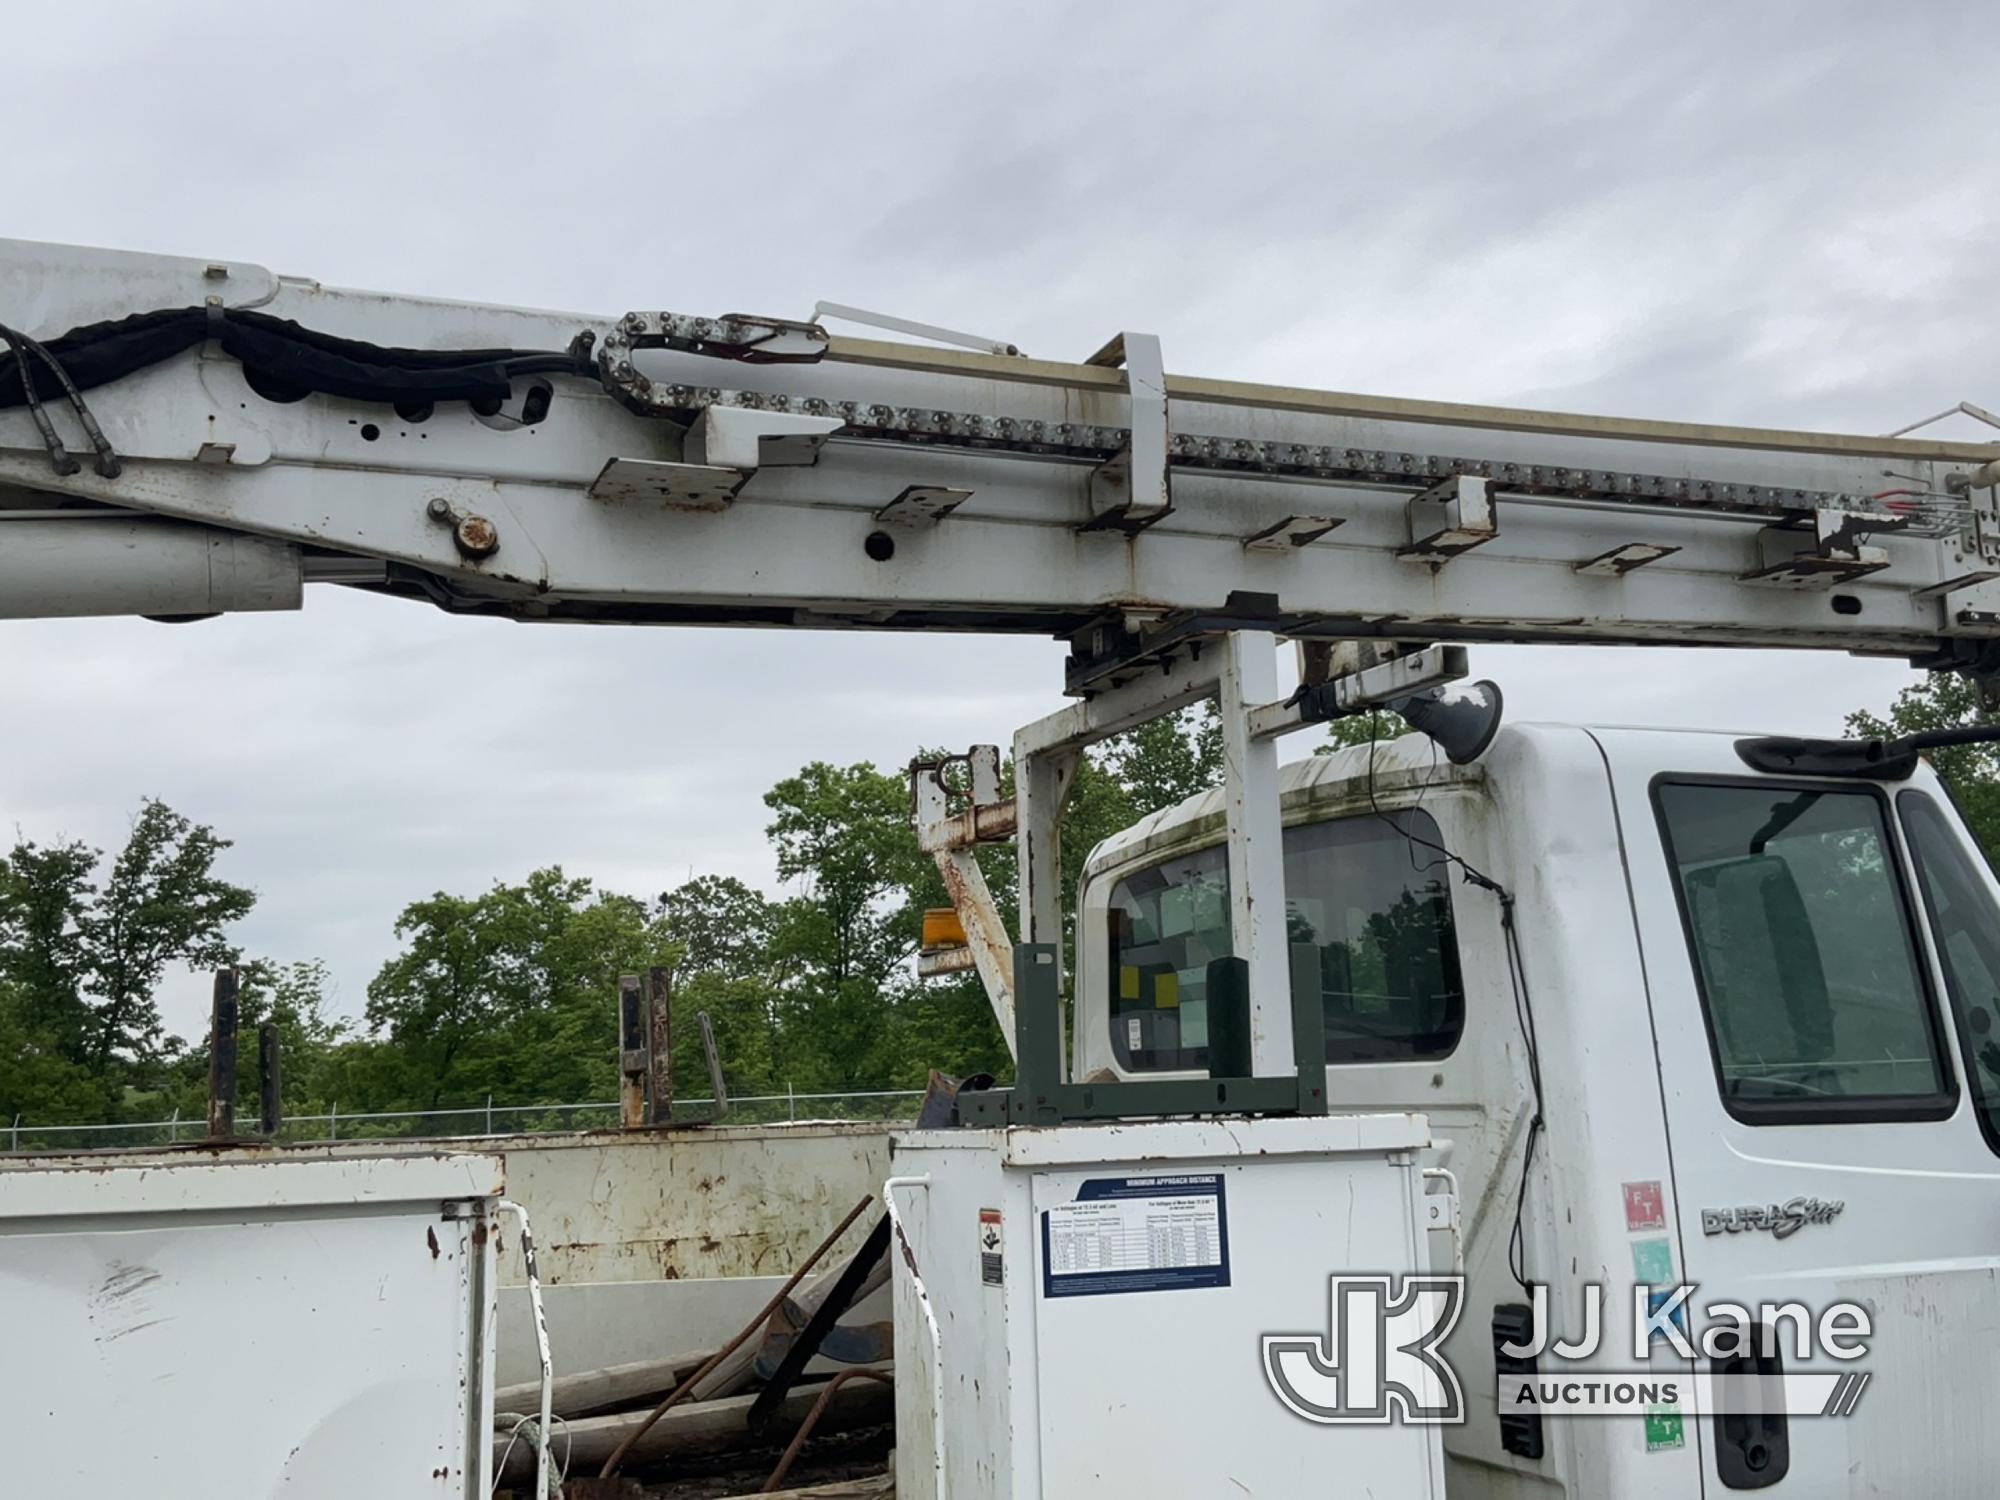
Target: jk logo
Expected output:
[1378,1361]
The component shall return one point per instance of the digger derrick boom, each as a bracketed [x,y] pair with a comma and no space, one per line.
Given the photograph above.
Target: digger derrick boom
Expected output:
[752,471]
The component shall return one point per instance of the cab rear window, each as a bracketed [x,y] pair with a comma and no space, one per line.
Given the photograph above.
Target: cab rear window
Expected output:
[1364,891]
[1800,932]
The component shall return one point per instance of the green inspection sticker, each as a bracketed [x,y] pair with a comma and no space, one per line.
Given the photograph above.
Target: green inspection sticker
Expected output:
[1663,1429]
[1653,1262]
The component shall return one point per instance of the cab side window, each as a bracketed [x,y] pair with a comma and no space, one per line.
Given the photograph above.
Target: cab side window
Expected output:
[1800,933]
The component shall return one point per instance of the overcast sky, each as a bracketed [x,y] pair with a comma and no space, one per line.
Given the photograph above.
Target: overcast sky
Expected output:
[1770,214]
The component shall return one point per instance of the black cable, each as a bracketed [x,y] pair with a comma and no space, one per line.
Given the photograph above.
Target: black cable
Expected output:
[1472,876]
[286,355]
[1524,1006]
[1524,1015]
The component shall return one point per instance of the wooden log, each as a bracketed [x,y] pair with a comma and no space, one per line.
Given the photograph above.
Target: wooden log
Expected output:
[874,1487]
[700,1428]
[589,1392]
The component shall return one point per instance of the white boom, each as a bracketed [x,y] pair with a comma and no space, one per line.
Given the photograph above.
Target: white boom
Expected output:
[658,469]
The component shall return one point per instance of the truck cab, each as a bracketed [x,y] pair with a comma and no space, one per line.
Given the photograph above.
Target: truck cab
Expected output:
[1674,1023]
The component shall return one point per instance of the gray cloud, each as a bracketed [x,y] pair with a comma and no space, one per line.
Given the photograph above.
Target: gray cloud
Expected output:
[1772,214]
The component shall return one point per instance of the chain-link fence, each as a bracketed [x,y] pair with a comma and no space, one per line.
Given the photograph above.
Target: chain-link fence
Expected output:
[467,1123]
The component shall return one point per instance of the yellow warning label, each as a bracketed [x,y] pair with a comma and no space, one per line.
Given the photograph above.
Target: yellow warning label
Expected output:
[1167,990]
[1128,982]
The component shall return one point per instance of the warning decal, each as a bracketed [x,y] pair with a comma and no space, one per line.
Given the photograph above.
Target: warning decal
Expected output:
[992,1252]
[1645,1207]
[1137,1234]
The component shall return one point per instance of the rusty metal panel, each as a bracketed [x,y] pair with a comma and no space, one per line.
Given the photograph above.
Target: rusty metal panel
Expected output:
[733,1201]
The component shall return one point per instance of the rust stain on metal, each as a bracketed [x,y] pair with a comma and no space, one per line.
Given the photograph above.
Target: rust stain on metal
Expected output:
[476,537]
[673,1207]
[431,1237]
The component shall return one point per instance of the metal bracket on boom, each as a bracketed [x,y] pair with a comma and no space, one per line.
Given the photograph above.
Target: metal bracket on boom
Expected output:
[1624,559]
[922,505]
[1450,518]
[1831,552]
[1114,650]
[723,448]
[1132,490]
[1293,531]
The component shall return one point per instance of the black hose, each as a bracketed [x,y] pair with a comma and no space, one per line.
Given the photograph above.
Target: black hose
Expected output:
[281,356]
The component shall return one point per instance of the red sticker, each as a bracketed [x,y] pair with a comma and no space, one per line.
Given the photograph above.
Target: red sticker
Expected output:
[992,1252]
[1645,1206]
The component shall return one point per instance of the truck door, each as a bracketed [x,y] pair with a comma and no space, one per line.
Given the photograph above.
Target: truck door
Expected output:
[1822,957]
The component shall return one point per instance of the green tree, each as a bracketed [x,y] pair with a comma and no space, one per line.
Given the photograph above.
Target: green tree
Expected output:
[718,925]
[43,894]
[744,1019]
[1945,700]
[161,904]
[1373,727]
[1164,760]
[510,994]
[723,933]
[39,1079]
[843,941]
[842,834]
[292,997]
[82,962]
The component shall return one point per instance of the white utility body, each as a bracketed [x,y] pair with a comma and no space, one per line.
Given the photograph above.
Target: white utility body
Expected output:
[1099,1291]
[238,1323]
[242,434]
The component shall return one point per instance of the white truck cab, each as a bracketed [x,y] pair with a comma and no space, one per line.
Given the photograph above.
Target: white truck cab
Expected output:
[1763,1011]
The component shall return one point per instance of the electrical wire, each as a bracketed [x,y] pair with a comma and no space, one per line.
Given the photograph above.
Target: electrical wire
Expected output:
[1524,1006]
[1524,1015]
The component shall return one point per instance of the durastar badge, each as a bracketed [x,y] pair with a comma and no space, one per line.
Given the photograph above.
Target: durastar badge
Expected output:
[1781,1219]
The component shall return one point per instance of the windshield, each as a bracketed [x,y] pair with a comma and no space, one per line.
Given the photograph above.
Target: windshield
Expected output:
[1966,929]
[1801,938]
[1373,903]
